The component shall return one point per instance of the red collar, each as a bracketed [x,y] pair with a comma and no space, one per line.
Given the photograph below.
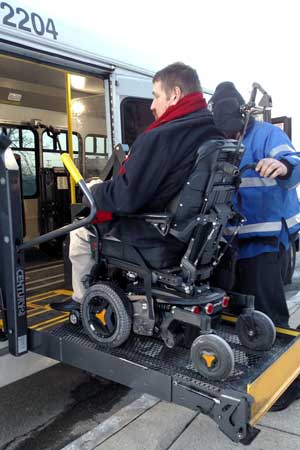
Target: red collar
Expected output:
[188,104]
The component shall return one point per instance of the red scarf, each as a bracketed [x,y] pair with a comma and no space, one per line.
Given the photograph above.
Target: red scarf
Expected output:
[188,104]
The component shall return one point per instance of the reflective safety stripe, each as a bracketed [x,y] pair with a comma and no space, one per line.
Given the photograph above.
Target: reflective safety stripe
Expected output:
[255,228]
[257,182]
[264,226]
[281,148]
[292,221]
[295,157]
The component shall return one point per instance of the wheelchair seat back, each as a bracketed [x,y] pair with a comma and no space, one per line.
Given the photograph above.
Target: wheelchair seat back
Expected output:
[199,214]
[204,205]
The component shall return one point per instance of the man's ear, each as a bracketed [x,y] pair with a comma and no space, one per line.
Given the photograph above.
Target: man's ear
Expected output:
[176,95]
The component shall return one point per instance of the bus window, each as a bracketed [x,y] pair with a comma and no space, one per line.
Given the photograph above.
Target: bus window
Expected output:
[51,152]
[95,145]
[135,117]
[75,141]
[101,145]
[95,154]
[62,137]
[24,144]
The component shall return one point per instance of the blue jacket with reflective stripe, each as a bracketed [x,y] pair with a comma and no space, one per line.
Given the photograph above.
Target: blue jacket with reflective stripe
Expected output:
[267,203]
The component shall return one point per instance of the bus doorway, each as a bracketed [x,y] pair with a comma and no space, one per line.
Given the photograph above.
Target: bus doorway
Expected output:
[33,101]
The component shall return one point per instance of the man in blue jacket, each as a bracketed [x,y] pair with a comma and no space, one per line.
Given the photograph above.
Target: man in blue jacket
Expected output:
[268,200]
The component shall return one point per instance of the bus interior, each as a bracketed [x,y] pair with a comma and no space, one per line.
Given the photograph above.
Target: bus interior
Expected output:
[33,103]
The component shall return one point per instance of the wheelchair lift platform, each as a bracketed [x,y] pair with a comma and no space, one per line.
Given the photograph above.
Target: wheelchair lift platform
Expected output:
[147,365]
[142,363]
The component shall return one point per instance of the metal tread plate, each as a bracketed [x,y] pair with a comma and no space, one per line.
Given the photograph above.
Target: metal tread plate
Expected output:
[151,353]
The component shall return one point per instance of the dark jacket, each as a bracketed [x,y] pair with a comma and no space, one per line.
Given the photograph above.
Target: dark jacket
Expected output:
[159,164]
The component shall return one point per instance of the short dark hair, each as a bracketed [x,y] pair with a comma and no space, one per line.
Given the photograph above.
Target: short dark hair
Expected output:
[181,75]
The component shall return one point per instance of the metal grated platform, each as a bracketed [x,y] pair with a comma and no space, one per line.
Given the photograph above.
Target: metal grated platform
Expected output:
[153,354]
[147,365]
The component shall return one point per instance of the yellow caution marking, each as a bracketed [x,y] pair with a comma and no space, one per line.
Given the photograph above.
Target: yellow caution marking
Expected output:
[208,358]
[101,316]
[273,381]
[36,298]
[36,308]
[63,292]
[228,318]
[288,331]
[49,321]
[43,308]
[36,301]
[43,294]
[55,322]
[37,313]
[32,307]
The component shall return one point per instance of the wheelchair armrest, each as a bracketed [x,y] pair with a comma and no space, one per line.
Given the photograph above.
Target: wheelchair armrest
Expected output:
[161,221]
[150,217]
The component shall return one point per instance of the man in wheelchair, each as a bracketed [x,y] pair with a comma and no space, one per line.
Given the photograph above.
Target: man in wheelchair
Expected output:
[168,208]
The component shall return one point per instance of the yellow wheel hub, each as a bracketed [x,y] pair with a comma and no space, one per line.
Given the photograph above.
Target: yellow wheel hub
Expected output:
[101,316]
[208,358]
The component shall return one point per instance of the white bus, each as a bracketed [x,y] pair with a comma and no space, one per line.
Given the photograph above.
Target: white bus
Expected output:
[44,67]
[53,75]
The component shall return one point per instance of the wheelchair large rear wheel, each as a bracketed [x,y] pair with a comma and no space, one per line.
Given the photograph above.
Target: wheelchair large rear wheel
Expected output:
[106,315]
[212,357]
[256,330]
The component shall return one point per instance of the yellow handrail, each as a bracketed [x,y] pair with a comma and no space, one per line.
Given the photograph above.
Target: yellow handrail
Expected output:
[70,131]
[71,168]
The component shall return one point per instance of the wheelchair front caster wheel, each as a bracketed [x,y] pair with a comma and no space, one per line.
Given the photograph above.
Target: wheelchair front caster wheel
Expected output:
[106,315]
[256,330]
[74,317]
[212,357]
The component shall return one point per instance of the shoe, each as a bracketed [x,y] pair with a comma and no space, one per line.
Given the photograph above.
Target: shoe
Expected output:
[289,396]
[67,306]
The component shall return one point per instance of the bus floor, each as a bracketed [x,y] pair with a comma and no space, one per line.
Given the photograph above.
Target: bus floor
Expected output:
[44,283]
[43,273]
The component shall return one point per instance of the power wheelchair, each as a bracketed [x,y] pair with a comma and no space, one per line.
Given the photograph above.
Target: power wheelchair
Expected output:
[156,292]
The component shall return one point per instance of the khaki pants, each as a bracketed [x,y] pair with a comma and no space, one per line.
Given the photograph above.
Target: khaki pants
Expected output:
[80,255]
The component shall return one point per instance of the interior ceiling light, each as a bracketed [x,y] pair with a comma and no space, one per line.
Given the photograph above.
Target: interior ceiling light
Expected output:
[77,107]
[14,97]
[77,82]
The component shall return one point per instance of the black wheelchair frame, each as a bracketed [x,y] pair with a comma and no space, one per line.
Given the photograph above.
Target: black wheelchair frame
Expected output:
[177,303]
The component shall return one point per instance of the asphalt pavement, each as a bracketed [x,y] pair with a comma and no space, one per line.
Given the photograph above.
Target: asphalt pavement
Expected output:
[47,410]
